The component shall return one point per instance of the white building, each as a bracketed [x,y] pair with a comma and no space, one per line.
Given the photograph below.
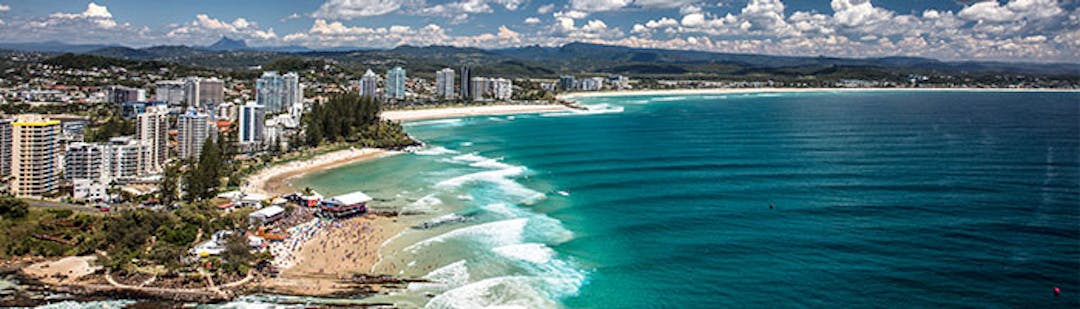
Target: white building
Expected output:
[5,147]
[35,153]
[502,89]
[193,129]
[395,83]
[277,93]
[369,84]
[203,92]
[122,157]
[171,92]
[592,84]
[252,123]
[444,83]
[85,161]
[151,130]
[280,128]
[121,94]
[90,189]
[487,89]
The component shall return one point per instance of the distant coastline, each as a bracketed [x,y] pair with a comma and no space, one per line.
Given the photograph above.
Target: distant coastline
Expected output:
[700,91]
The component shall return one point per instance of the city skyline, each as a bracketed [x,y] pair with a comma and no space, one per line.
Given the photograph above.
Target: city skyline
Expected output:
[1028,30]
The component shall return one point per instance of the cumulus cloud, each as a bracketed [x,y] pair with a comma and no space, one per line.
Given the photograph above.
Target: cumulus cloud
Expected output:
[598,5]
[205,29]
[4,7]
[96,14]
[349,9]
[532,20]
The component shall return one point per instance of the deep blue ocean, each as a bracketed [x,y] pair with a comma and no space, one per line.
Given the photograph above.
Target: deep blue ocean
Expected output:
[891,199]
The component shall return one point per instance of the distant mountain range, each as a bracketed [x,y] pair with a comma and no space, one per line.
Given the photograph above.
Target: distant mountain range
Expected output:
[573,58]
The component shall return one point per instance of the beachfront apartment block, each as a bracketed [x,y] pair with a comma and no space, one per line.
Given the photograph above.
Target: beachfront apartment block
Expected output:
[444,83]
[395,84]
[85,161]
[466,83]
[487,89]
[35,155]
[277,92]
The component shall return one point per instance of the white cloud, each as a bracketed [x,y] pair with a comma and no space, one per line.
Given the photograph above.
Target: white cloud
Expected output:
[205,29]
[598,5]
[1014,10]
[855,13]
[349,9]
[544,9]
[532,20]
[96,14]
[4,7]
[664,4]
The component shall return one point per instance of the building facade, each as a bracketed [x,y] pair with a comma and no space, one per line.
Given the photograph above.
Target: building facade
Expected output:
[395,84]
[444,83]
[85,161]
[121,94]
[277,93]
[5,147]
[466,82]
[151,130]
[193,128]
[35,153]
[171,92]
[252,123]
[369,84]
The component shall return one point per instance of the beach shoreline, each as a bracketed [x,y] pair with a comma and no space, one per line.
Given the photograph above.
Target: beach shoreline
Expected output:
[706,91]
[275,180]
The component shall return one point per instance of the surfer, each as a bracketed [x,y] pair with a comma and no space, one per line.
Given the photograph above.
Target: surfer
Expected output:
[771,205]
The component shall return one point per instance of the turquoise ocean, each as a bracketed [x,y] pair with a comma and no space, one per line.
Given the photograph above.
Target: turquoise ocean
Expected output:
[882,199]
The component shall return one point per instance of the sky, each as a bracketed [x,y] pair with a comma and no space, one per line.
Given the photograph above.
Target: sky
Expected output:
[1003,30]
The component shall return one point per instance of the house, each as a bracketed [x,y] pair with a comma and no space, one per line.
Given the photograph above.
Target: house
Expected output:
[344,205]
[266,215]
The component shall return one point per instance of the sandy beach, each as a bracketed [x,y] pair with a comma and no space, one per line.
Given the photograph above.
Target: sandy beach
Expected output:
[454,112]
[655,92]
[274,180]
[340,249]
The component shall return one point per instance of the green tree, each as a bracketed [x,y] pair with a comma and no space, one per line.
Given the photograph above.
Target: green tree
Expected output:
[12,208]
[170,184]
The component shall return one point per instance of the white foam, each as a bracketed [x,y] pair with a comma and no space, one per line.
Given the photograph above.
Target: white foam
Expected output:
[594,109]
[496,233]
[668,99]
[504,292]
[434,151]
[466,144]
[426,203]
[443,278]
[433,122]
[531,252]
[464,197]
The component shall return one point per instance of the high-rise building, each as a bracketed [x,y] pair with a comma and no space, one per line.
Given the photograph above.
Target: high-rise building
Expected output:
[252,123]
[567,83]
[466,82]
[277,93]
[193,128]
[151,130]
[444,83]
[121,94]
[369,84]
[203,92]
[592,84]
[5,147]
[121,158]
[502,89]
[395,84]
[486,88]
[171,92]
[35,153]
[211,92]
[85,161]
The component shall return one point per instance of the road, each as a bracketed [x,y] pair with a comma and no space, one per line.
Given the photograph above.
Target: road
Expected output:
[57,205]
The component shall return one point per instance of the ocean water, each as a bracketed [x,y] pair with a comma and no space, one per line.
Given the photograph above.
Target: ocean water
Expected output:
[894,199]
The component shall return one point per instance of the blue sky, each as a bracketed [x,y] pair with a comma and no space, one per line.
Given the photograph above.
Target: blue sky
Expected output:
[1030,30]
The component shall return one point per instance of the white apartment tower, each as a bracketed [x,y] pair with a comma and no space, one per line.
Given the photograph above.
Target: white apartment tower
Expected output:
[193,129]
[35,153]
[444,83]
[277,93]
[369,84]
[151,130]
